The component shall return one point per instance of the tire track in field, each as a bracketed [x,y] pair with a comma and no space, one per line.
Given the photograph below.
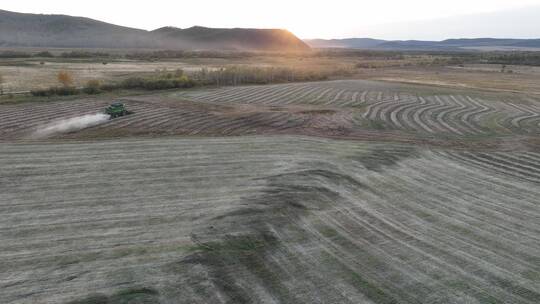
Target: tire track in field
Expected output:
[371,108]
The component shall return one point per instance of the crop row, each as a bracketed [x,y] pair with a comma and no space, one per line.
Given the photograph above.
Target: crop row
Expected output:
[266,219]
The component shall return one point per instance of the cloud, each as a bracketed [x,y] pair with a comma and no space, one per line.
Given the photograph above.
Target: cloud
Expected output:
[515,23]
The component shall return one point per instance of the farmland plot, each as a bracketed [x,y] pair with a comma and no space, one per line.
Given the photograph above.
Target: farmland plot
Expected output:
[361,110]
[402,107]
[158,115]
[267,219]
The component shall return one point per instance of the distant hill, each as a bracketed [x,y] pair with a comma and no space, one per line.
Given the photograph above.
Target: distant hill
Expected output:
[237,38]
[447,45]
[460,44]
[520,22]
[360,43]
[33,30]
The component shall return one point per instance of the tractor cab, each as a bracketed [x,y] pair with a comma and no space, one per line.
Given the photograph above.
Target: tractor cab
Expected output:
[117,109]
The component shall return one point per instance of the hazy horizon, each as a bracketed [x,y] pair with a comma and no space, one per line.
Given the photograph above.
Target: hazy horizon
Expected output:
[385,19]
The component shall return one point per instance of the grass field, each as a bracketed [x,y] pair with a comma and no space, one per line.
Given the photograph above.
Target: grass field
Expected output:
[349,191]
[287,220]
[25,74]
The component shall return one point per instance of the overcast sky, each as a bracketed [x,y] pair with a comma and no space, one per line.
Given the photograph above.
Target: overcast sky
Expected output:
[386,19]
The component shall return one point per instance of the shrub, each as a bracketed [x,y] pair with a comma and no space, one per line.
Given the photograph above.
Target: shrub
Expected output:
[179,73]
[83,54]
[44,54]
[110,87]
[40,93]
[158,84]
[133,83]
[65,78]
[14,54]
[363,65]
[185,82]
[92,87]
[55,91]
[65,91]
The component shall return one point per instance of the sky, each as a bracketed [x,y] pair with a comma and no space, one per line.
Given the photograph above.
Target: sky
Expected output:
[384,19]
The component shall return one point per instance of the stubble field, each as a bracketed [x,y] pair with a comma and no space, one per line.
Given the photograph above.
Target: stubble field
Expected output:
[332,192]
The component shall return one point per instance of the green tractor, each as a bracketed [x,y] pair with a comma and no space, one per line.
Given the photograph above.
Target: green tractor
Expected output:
[117,109]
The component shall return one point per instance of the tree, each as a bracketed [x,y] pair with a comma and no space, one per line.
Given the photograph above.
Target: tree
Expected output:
[1,85]
[92,87]
[65,78]
[179,73]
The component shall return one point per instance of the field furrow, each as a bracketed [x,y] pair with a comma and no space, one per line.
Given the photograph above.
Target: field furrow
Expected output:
[288,219]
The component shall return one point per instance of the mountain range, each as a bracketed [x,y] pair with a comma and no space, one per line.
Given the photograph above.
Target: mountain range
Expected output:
[62,31]
[36,30]
[446,45]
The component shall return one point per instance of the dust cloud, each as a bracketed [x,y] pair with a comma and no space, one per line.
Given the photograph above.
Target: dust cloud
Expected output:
[70,125]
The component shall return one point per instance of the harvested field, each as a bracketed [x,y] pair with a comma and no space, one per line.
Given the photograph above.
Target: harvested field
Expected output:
[287,220]
[361,110]
[326,192]
[397,106]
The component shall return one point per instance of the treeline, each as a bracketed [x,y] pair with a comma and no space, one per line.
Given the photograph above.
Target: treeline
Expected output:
[14,54]
[238,75]
[84,54]
[178,54]
[227,76]
[152,55]
[96,87]
[503,58]
[18,54]
[528,58]
[442,57]
[362,54]
[47,54]
[499,57]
